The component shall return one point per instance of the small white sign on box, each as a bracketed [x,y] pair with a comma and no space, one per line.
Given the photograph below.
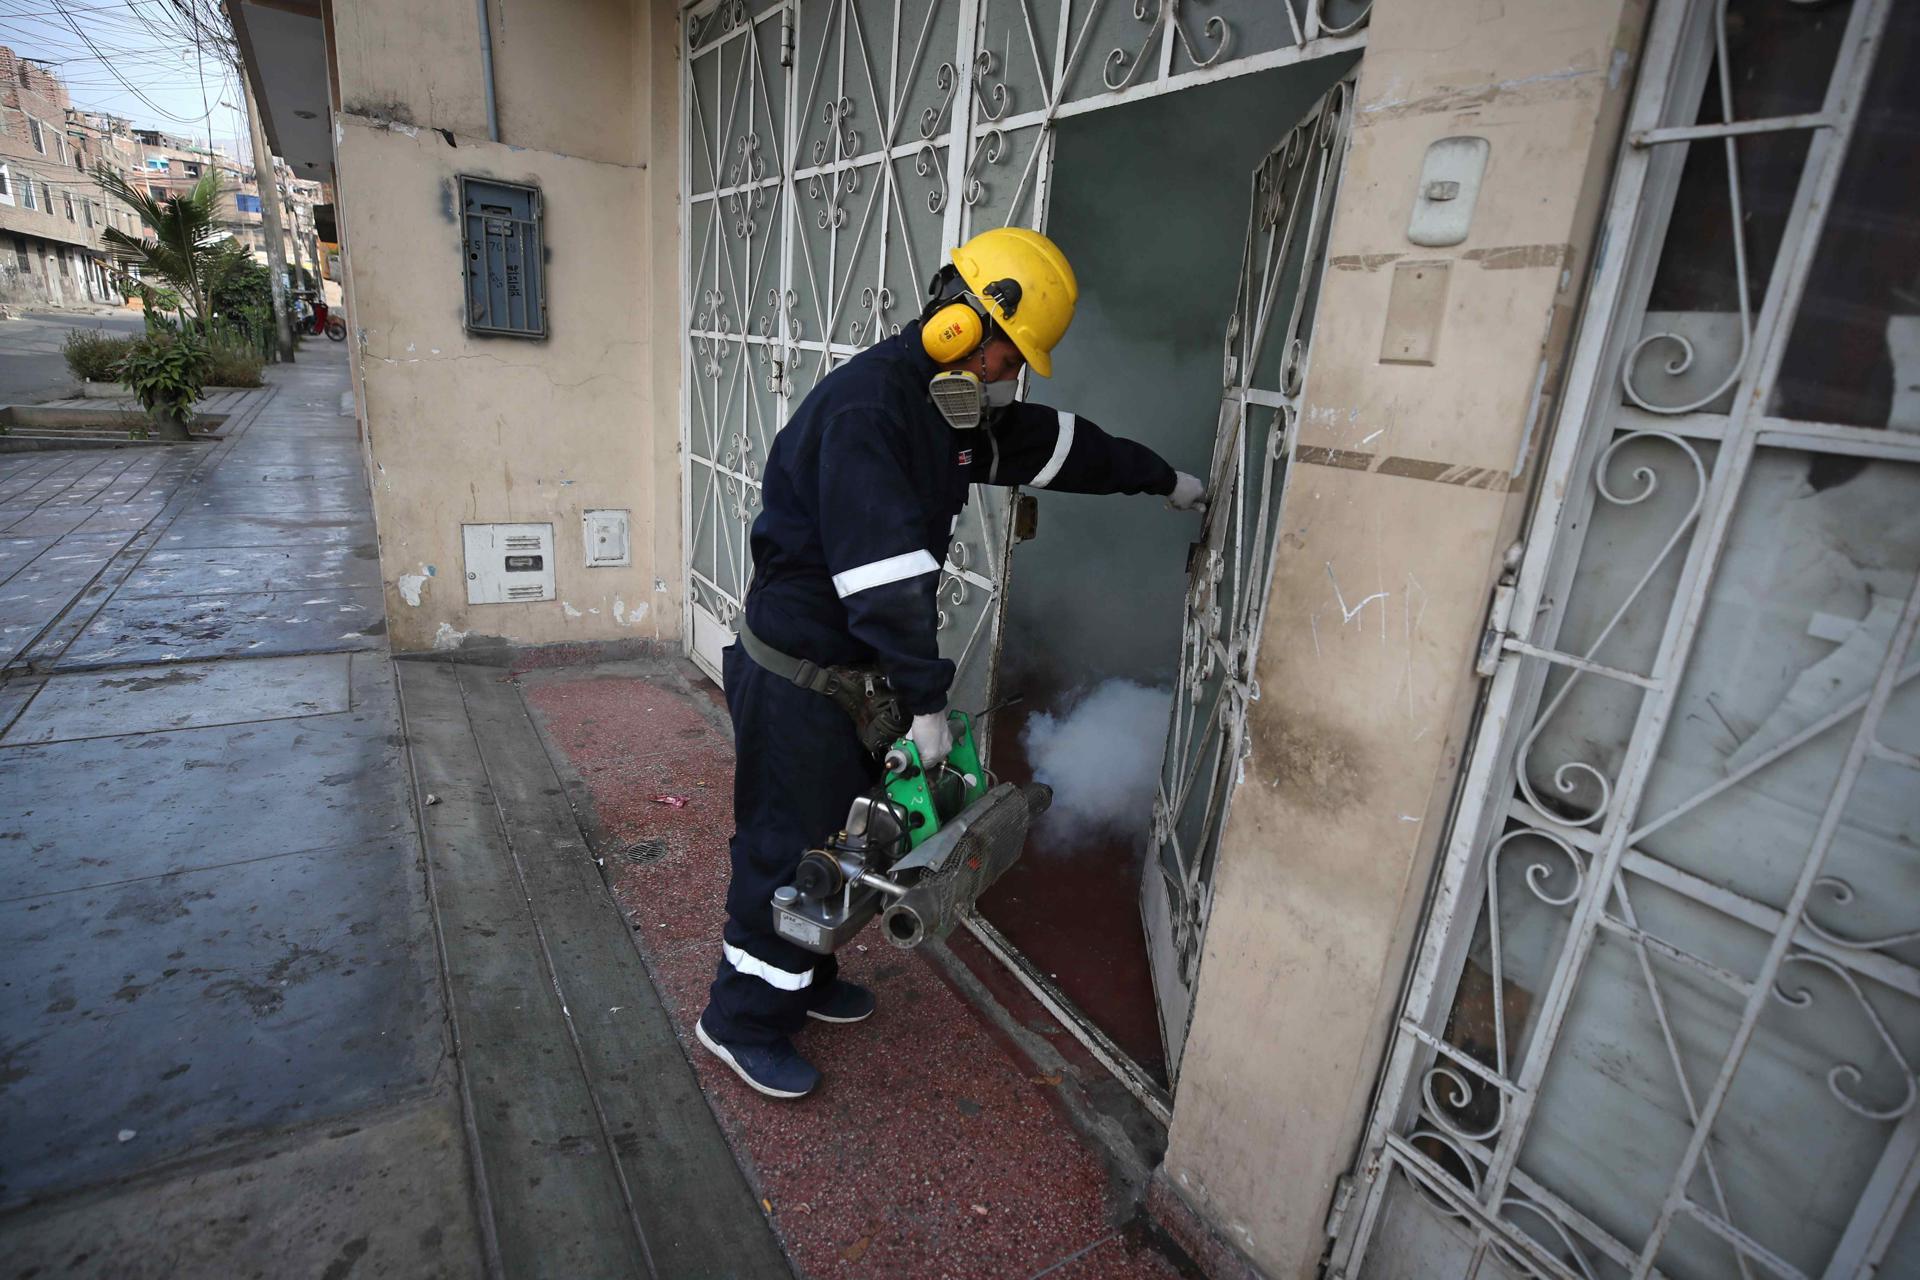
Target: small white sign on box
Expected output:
[508,563]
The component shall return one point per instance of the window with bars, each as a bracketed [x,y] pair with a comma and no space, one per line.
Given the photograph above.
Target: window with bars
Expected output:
[6,184]
[37,134]
[67,199]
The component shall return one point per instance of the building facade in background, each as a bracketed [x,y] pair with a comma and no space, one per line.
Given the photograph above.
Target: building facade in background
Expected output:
[1530,886]
[51,210]
[170,166]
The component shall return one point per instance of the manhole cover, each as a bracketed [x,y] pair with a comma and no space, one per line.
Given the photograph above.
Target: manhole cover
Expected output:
[644,851]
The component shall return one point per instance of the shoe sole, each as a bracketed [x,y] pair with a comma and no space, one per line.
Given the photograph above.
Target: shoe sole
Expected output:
[719,1051]
[817,1016]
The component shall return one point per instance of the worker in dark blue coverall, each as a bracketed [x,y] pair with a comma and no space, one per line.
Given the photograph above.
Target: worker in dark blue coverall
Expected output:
[862,491]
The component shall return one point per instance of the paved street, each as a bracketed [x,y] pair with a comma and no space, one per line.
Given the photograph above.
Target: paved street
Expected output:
[226,1044]
[223,1034]
[31,366]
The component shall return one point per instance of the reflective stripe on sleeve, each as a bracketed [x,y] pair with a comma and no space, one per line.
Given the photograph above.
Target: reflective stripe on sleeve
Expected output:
[757,968]
[1062,446]
[881,572]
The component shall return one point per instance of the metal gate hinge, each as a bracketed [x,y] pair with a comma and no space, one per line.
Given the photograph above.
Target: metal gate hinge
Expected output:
[777,378]
[1493,640]
[786,35]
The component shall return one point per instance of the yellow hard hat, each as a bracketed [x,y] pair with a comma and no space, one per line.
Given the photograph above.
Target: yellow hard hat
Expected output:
[1036,312]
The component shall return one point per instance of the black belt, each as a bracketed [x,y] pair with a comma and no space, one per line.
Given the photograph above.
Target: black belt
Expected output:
[806,674]
[862,692]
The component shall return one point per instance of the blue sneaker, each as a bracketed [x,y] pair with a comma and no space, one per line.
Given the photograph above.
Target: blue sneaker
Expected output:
[776,1069]
[844,1002]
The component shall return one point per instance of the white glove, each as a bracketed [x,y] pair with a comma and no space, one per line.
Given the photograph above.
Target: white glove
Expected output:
[1189,493]
[932,738]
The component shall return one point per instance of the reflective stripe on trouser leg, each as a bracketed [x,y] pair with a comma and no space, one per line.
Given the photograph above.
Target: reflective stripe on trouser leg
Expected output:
[754,967]
[798,764]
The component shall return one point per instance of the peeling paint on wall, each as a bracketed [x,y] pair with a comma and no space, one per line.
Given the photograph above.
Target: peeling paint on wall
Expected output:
[447,638]
[409,585]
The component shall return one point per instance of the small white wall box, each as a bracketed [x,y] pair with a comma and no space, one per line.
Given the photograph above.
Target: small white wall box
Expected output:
[1449,187]
[606,538]
[508,562]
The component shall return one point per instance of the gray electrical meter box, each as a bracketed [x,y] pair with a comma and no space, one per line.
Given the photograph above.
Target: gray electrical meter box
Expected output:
[505,267]
[508,562]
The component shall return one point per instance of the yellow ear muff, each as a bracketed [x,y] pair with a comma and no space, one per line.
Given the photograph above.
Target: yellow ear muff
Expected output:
[953,332]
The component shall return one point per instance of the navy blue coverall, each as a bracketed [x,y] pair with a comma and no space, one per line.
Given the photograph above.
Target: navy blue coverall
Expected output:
[862,492]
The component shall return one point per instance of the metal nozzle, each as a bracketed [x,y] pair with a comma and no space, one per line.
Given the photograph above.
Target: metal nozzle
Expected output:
[992,840]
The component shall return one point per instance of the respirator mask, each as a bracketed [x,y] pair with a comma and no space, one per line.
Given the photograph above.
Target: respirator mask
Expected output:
[965,401]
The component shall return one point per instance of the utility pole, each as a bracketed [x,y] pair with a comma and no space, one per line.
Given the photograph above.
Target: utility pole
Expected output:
[267,182]
[299,250]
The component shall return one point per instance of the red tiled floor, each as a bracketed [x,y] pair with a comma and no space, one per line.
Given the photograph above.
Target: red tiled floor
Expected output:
[930,1151]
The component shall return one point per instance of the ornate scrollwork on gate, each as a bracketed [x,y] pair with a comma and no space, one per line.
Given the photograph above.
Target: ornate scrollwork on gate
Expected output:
[710,320]
[954,588]
[993,95]
[1842,894]
[926,163]
[747,197]
[724,18]
[988,150]
[1583,790]
[1845,1078]
[875,303]
[947,81]
[1158,14]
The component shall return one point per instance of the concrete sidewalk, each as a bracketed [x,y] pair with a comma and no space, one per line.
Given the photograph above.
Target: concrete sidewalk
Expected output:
[308,968]
[223,1039]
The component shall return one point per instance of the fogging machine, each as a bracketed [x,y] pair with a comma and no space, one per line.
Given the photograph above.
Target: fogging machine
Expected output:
[918,850]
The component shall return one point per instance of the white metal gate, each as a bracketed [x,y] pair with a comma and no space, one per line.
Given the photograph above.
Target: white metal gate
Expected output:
[833,151]
[1290,206]
[1665,1013]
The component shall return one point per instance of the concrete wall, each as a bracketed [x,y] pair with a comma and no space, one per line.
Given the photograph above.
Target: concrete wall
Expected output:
[477,429]
[1410,487]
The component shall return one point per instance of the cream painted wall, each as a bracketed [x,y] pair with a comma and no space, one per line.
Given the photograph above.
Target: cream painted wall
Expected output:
[1409,487]
[469,429]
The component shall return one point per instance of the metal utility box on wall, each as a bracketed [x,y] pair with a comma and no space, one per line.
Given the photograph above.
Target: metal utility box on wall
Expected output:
[507,563]
[505,268]
[605,533]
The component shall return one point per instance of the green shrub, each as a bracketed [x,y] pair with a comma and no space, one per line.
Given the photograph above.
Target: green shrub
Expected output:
[232,361]
[237,283]
[166,370]
[94,355]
